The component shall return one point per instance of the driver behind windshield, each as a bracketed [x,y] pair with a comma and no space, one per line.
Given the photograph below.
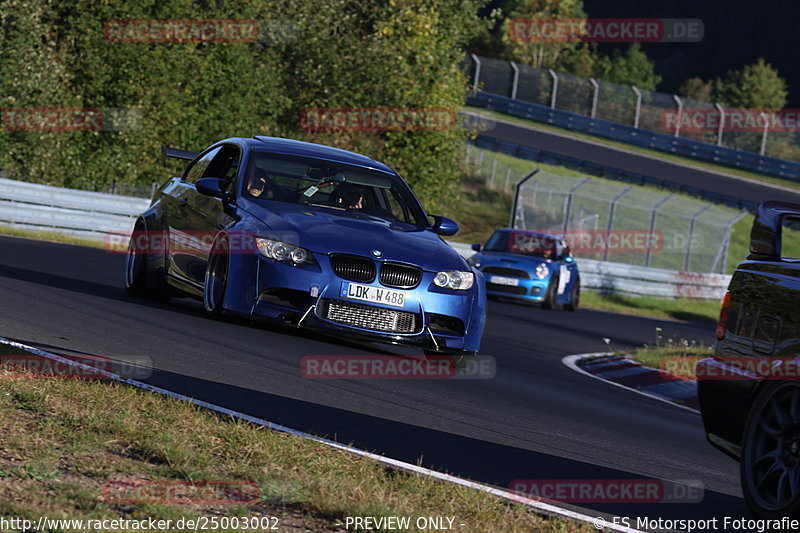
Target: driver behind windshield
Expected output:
[351,197]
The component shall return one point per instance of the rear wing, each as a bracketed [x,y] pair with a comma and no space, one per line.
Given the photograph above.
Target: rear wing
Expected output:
[176,153]
[765,237]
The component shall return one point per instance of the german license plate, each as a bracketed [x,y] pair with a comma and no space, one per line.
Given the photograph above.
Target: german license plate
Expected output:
[378,295]
[502,280]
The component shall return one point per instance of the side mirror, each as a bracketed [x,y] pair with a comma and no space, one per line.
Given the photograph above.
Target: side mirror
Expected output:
[444,226]
[476,247]
[214,187]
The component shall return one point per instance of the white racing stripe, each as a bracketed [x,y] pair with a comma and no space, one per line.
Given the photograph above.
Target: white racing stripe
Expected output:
[542,507]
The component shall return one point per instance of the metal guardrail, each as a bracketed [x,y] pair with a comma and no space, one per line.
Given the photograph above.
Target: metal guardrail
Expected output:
[634,280]
[86,214]
[639,137]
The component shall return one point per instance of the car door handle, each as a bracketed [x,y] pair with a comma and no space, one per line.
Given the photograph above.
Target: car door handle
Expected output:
[184,202]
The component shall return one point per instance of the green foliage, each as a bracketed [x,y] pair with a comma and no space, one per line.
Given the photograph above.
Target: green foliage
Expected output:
[542,54]
[629,68]
[342,53]
[755,86]
[697,89]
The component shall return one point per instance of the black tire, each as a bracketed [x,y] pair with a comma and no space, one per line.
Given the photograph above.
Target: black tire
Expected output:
[770,464]
[136,270]
[549,301]
[216,279]
[574,298]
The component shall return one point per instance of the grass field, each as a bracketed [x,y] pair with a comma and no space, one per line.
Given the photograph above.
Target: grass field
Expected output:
[66,445]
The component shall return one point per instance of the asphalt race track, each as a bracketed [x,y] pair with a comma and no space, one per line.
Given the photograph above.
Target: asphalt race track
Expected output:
[628,160]
[535,419]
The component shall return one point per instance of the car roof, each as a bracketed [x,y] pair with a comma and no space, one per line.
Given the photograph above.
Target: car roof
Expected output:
[280,145]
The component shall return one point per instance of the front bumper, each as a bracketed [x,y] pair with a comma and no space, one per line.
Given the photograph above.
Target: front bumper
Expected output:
[443,320]
[530,290]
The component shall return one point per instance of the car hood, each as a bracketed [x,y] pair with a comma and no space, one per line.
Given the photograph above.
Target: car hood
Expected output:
[326,231]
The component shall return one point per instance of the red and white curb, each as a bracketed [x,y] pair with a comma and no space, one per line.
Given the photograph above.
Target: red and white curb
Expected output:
[537,505]
[622,371]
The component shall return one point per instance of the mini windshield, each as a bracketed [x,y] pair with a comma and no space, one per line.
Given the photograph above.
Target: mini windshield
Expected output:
[321,183]
[525,243]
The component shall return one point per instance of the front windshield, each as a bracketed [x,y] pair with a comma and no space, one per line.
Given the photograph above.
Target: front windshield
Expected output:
[524,243]
[336,186]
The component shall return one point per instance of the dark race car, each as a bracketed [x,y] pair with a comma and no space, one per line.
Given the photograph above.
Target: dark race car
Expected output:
[749,391]
[310,235]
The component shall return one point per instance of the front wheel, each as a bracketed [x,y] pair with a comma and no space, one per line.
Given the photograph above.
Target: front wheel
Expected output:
[549,301]
[216,279]
[574,298]
[770,462]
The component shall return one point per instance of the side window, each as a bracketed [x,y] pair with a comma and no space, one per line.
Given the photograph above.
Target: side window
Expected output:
[395,206]
[790,238]
[224,165]
[197,169]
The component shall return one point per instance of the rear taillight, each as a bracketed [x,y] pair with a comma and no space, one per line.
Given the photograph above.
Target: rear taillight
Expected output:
[722,324]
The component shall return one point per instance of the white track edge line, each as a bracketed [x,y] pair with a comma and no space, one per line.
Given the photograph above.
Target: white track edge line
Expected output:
[571,361]
[545,508]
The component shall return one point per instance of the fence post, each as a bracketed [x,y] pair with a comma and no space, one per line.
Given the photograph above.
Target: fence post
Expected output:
[517,205]
[764,135]
[494,169]
[611,217]
[515,81]
[568,206]
[595,95]
[508,176]
[638,94]
[680,114]
[691,234]
[721,127]
[554,92]
[653,227]
[477,72]
[722,253]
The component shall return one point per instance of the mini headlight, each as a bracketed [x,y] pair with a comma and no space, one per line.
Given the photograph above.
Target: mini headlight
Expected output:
[542,271]
[280,251]
[454,279]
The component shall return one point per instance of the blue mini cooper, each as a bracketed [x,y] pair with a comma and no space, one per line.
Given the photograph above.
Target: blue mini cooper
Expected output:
[529,266]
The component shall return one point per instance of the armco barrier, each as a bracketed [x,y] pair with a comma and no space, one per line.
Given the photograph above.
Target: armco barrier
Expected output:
[635,280]
[639,137]
[85,214]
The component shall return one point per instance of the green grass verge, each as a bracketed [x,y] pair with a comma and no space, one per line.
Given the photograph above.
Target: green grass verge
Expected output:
[63,441]
[676,356]
[51,236]
[649,306]
[733,171]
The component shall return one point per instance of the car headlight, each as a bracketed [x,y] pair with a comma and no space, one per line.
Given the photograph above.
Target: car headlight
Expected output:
[454,279]
[542,271]
[280,251]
